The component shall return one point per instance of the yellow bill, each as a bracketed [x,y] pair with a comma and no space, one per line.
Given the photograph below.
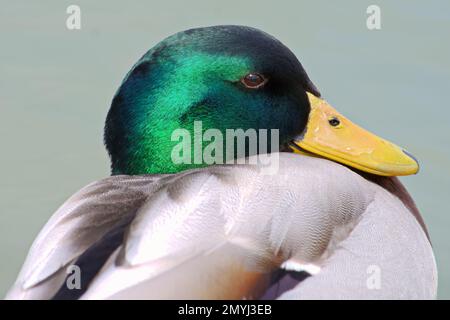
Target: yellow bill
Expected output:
[330,135]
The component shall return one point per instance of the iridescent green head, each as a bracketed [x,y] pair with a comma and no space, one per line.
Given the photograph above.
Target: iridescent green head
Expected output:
[227,77]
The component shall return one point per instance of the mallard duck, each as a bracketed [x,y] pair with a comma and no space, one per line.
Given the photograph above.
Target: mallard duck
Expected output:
[331,222]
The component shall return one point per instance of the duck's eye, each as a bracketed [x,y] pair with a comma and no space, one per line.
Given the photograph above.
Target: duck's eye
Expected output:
[254,80]
[333,121]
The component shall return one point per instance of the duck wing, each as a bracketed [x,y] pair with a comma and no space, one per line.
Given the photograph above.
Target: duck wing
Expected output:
[224,231]
[80,222]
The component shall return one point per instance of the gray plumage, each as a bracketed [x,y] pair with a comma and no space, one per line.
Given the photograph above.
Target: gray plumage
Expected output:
[221,231]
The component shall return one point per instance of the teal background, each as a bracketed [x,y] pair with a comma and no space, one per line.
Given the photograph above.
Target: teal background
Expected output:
[56,86]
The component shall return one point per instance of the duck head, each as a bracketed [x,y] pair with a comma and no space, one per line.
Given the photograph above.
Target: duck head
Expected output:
[232,77]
